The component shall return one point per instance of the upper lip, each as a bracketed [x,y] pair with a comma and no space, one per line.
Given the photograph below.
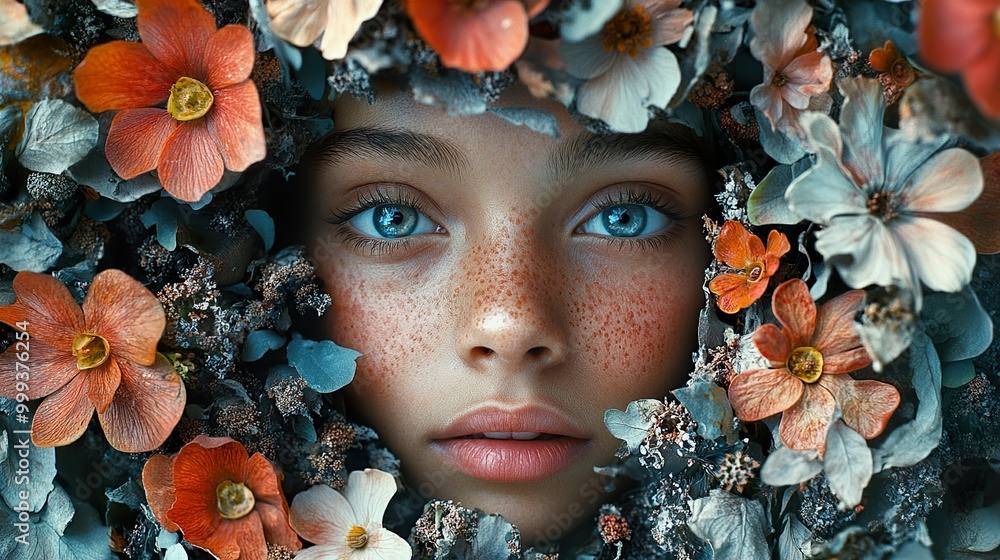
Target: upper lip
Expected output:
[496,418]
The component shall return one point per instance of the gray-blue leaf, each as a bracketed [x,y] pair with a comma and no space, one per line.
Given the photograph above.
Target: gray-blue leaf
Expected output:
[117,8]
[259,342]
[263,224]
[631,424]
[325,366]
[538,120]
[36,480]
[767,203]
[778,145]
[847,463]
[786,466]
[30,246]
[51,535]
[795,540]
[56,135]
[735,526]
[709,407]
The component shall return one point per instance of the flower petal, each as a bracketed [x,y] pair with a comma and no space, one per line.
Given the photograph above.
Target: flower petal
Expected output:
[136,139]
[942,257]
[662,75]
[768,100]
[777,246]
[953,34]
[148,405]
[875,255]
[846,362]
[804,425]
[102,382]
[176,32]
[53,316]
[300,22]
[158,482]
[760,393]
[386,545]
[191,163]
[198,471]
[737,247]
[322,515]
[835,323]
[233,539]
[948,182]
[44,373]
[861,127]
[586,59]
[825,190]
[122,310]
[229,56]
[808,75]
[779,30]
[772,343]
[235,122]
[343,21]
[369,492]
[866,405]
[670,24]
[488,38]
[122,75]
[796,310]
[62,417]
[983,81]
[882,59]
[732,291]
[978,221]
[338,551]
[276,527]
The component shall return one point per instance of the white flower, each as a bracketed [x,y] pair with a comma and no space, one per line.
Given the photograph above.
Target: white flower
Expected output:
[348,525]
[626,66]
[877,194]
[16,26]
[302,22]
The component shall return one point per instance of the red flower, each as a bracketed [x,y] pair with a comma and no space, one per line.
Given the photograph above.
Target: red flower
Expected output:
[187,107]
[809,356]
[964,36]
[754,265]
[889,62]
[224,501]
[102,357]
[475,35]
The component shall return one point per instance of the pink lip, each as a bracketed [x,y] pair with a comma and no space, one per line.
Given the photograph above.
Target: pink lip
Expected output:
[511,460]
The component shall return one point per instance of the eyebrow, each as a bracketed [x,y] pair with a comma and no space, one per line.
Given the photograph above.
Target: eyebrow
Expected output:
[587,152]
[402,146]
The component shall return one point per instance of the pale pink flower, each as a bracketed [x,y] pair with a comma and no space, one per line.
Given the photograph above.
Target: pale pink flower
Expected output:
[331,23]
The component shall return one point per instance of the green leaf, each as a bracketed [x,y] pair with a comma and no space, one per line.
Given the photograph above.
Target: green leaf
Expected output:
[631,424]
[735,526]
[709,407]
[325,366]
[767,205]
[56,135]
[847,463]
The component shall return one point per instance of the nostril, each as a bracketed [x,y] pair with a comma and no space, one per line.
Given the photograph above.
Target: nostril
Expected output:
[481,352]
[536,351]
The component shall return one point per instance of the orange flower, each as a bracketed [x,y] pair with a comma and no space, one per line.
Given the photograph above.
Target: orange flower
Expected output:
[224,501]
[809,356]
[889,62]
[187,106]
[475,35]
[755,265]
[964,36]
[102,357]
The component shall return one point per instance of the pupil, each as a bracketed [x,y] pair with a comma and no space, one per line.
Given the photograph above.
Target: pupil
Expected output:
[393,220]
[624,220]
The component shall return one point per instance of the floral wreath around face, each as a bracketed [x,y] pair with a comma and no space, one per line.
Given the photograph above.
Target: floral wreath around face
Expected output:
[843,401]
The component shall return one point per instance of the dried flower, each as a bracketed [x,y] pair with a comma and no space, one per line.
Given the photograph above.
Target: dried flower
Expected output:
[809,357]
[349,525]
[626,66]
[754,265]
[225,501]
[880,198]
[890,62]
[101,357]
[477,35]
[796,75]
[964,36]
[736,470]
[187,108]
[331,23]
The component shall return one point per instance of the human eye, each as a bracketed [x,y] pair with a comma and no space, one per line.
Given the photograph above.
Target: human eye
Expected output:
[631,217]
[382,220]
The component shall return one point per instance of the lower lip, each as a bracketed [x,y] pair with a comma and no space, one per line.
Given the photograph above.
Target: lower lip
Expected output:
[510,460]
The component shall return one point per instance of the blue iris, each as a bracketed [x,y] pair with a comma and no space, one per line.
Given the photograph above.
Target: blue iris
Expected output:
[624,220]
[394,220]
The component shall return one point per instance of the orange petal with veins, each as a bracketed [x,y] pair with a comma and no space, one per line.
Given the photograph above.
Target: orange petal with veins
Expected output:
[62,417]
[49,370]
[229,56]
[805,425]
[733,292]
[191,163]
[53,316]
[122,310]
[136,139]
[796,310]
[176,32]
[158,481]
[867,405]
[122,75]
[148,405]
[235,122]
[834,331]
[773,344]
[102,382]
[760,393]
[737,247]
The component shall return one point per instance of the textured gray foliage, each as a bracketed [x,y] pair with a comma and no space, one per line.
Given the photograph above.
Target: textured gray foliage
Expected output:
[56,135]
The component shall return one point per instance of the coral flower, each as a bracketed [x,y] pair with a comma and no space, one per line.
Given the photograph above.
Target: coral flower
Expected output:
[187,107]
[336,21]
[100,357]
[888,61]
[349,525]
[810,357]
[224,500]
[625,65]
[475,35]
[964,36]
[754,265]
[796,75]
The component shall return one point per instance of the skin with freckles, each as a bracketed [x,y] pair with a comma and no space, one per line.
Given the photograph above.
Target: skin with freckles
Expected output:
[515,287]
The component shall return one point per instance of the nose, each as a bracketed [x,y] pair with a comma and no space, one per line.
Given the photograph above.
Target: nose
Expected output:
[511,317]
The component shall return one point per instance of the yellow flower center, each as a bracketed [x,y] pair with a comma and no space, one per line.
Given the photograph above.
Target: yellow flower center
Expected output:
[882,205]
[755,272]
[233,499]
[806,363]
[189,99]
[628,31]
[357,537]
[779,80]
[91,350]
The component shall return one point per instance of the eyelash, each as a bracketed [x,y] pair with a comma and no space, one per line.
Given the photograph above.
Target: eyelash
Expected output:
[377,247]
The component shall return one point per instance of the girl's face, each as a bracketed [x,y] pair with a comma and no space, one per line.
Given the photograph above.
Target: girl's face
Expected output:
[506,288]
